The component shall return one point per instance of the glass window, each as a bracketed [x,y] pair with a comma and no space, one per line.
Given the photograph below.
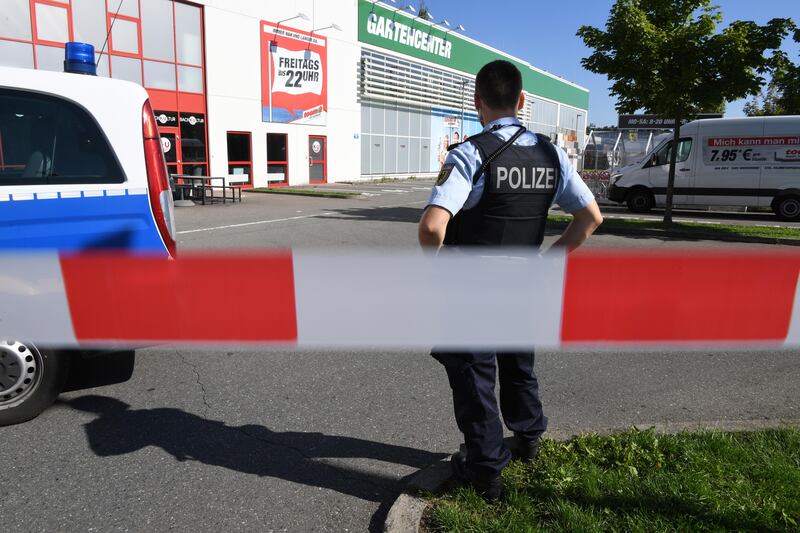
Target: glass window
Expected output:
[13,54]
[195,170]
[126,68]
[662,155]
[425,157]
[425,127]
[415,123]
[48,140]
[377,116]
[376,154]
[365,144]
[390,160]
[190,79]
[413,156]
[188,34]
[158,32]
[238,146]
[193,137]
[129,8]
[125,36]
[89,22]
[276,147]
[402,155]
[102,65]
[15,20]
[277,162]
[403,120]
[159,75]
[390,121]
[684,148]
[51,23]
[365,118]
[49,58]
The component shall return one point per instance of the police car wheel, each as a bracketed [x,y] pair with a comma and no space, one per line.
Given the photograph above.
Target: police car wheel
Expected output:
[30,380]
[788,208]
[640,200]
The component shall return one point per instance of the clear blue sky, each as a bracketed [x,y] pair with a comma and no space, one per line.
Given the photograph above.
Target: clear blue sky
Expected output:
[543,33]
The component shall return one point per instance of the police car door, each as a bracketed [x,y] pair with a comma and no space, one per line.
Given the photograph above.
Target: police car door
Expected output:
[658,170]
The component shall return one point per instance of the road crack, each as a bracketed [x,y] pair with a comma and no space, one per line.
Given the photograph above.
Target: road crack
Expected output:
[198,380]
[341,472]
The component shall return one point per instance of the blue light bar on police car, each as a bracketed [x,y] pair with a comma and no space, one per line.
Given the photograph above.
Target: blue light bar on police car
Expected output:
[79,59]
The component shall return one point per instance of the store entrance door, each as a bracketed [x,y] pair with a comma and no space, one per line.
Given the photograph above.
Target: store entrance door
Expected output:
[317,172]
[170,145]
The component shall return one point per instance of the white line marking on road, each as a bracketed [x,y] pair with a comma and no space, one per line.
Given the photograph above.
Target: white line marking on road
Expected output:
[256,223]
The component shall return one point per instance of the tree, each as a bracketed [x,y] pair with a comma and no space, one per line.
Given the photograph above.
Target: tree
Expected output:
[666,57]
[782,96]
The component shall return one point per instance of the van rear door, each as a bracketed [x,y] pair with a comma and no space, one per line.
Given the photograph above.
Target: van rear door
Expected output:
[782,171]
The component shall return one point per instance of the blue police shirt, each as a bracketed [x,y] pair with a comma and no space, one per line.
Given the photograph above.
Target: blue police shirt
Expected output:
[457,192]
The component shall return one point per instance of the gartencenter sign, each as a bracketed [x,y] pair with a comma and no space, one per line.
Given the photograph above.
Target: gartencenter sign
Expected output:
[408,35]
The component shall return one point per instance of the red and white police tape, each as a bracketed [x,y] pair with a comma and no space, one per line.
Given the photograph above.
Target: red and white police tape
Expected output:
[301,298]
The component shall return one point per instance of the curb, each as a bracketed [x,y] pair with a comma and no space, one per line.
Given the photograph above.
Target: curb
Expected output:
[407,511]
[688,235]
[311,193]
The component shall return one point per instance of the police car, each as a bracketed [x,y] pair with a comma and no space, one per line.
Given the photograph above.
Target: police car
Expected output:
[81,169]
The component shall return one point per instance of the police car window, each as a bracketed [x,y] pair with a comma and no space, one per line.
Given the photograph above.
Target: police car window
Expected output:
[47,140]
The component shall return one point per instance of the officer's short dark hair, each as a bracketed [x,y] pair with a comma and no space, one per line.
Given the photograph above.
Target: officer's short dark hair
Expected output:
[499,84]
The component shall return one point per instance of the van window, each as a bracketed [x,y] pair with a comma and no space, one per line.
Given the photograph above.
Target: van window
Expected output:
[662,155]
[48,140]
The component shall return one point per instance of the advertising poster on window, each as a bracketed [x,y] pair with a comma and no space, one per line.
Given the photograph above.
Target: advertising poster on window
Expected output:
[447,129]
[294,70]
[769,152]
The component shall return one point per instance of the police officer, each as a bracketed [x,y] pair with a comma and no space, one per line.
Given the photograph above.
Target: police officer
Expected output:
[495,190]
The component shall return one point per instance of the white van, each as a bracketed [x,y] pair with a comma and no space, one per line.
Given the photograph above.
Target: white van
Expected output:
[753,162]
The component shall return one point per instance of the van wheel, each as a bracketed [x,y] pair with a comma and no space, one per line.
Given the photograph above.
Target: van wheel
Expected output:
[640,200]
[787,208]
[30,380]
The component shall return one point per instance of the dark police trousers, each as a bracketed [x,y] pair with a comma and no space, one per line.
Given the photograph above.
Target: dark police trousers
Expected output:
[472,378]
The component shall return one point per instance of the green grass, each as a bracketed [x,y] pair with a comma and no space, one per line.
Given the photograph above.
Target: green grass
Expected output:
[641,481]
[693,228]
[306,192]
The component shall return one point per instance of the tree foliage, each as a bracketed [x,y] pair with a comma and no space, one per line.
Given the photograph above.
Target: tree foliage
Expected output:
[782,96]
[667,57]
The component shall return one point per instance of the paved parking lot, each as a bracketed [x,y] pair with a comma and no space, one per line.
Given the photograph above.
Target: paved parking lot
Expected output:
[209,440]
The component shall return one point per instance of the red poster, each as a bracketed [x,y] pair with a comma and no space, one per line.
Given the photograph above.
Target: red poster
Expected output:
[294,70]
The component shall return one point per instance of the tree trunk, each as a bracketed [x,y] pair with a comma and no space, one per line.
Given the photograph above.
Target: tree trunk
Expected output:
[673,156]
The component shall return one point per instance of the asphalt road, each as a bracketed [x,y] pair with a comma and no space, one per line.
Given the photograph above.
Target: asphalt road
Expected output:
[210,440]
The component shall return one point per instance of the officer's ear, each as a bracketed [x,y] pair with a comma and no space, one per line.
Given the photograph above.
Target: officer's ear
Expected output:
[521,102]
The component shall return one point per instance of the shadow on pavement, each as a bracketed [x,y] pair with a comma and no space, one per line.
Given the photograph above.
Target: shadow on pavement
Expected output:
[386,214]
[250,449]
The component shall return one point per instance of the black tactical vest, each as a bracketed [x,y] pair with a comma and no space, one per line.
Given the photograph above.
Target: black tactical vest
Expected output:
[519,185]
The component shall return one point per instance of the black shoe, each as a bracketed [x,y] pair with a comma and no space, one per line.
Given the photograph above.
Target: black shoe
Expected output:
[489,487]
[525,449]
